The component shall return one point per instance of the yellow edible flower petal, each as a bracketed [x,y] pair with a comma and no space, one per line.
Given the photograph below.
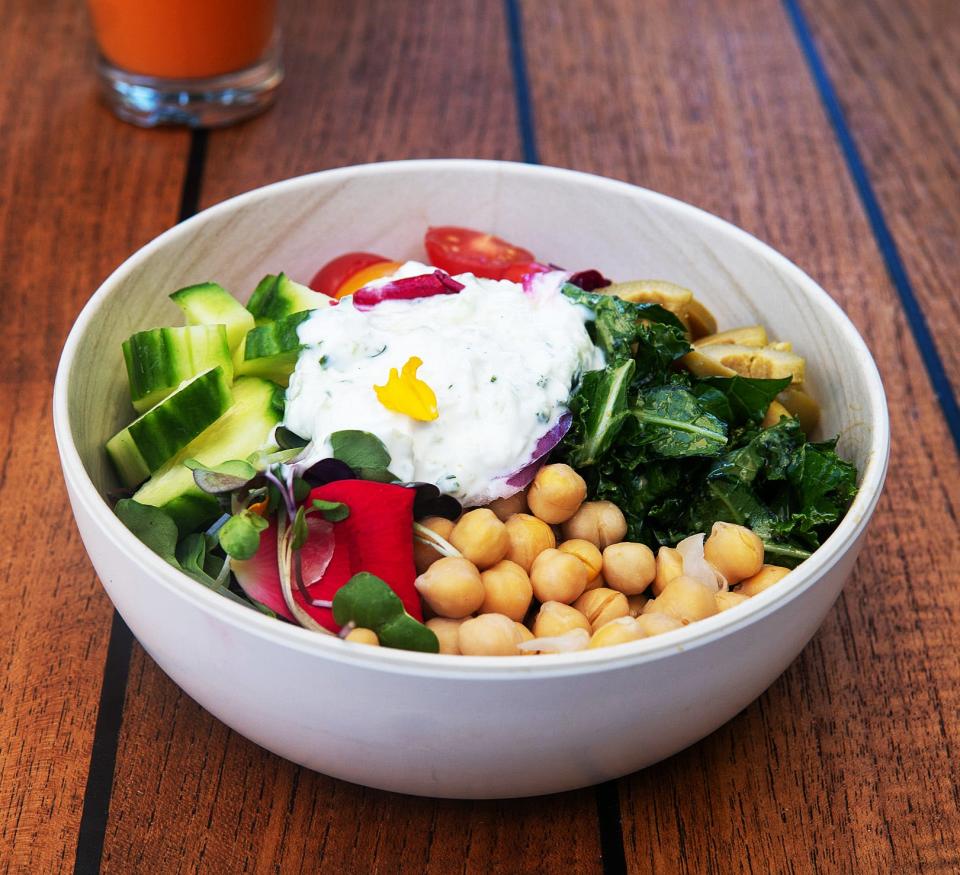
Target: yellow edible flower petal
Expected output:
[406,393]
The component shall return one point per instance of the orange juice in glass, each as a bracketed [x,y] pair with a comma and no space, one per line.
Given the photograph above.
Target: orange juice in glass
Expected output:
[200,63]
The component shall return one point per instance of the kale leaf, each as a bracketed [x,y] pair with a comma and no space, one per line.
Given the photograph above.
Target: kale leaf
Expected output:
[599,408]
[619,326]
[678,453]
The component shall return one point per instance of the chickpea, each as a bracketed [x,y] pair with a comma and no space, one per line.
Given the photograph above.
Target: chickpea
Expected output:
[735,551]
[508,590]
[480,537]
[363,636]
[602,605]
[727,600]
[489,635]
[596,583]
[637,603]
[555,618]
[685,599]
[524,633]
[447,632]
[629,567]
[505,508]
[423,554]
[557,576]
[657,624]
[618,631]
[556,493]
[669,566]
[766,577]
[528,538]
[451,587]
[588,554]
[599,522]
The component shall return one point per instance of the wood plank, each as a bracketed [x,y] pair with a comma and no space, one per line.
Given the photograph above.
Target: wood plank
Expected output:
[894,66]
[79,191]
[365,82]
[192,796]
[388,82]
[847,763]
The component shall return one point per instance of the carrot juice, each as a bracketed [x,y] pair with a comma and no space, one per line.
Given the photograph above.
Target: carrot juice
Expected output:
[183,39]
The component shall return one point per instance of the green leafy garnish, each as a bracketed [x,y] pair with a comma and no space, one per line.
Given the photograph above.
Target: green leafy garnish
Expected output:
[225,477]
[152,526]
[240,535]
[367,601]
[192,555]
[288,440]
[364,452]
[332,511]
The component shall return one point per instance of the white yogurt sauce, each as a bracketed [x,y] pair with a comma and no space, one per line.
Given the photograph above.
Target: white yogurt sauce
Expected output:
[500,360]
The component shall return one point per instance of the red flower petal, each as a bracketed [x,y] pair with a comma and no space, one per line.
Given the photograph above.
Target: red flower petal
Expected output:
[376,537]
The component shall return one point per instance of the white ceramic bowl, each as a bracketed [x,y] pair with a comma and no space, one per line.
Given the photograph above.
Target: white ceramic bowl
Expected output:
[442,725]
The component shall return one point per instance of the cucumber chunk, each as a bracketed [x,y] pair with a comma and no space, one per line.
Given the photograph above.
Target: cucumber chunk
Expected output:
[246,427]
[165,429]
[279,296]
[270,351]
[160,359]
[211,304]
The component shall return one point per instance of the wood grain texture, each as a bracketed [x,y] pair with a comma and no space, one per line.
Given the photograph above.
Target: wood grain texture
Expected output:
[70,211]
[389,80]
[847,763]
[894,66]
[365,82]
[192,796]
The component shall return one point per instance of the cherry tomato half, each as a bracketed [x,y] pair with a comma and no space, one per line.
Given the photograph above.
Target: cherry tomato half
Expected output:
[518,273]
[368,274]
[335,273]
[460,250]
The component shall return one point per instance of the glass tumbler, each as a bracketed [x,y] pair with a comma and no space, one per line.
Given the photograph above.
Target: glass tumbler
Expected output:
[201,63]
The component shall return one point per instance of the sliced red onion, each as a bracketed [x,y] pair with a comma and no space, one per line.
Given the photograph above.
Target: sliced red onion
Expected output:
[425,286]
[522,478]
[589,280]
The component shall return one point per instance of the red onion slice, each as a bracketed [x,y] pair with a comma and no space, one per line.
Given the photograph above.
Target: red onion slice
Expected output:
[425,286]
[589,280]
[522,478]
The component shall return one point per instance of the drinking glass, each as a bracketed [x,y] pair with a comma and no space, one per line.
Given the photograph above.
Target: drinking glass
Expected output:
[201,63]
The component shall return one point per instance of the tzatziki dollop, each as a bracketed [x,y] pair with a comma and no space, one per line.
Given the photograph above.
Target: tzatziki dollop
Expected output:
[502,362]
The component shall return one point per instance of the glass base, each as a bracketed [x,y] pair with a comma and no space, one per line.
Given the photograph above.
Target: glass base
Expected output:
[149,101]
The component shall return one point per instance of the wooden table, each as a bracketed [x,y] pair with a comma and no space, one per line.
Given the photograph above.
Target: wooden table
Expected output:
[828,129]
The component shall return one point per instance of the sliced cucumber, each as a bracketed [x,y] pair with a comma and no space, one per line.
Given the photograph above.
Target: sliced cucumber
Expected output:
[279,296]
[245,428]
[211,304]
[165,429]
[270,351]
[160,359]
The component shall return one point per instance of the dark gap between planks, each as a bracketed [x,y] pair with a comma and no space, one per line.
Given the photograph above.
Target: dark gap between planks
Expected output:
[881,231]
[116,669]
[607,795]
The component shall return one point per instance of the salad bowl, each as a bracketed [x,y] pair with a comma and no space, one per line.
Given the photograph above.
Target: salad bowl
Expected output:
[455,726]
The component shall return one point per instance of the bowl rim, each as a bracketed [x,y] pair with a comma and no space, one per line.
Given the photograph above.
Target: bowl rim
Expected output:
[638,652]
